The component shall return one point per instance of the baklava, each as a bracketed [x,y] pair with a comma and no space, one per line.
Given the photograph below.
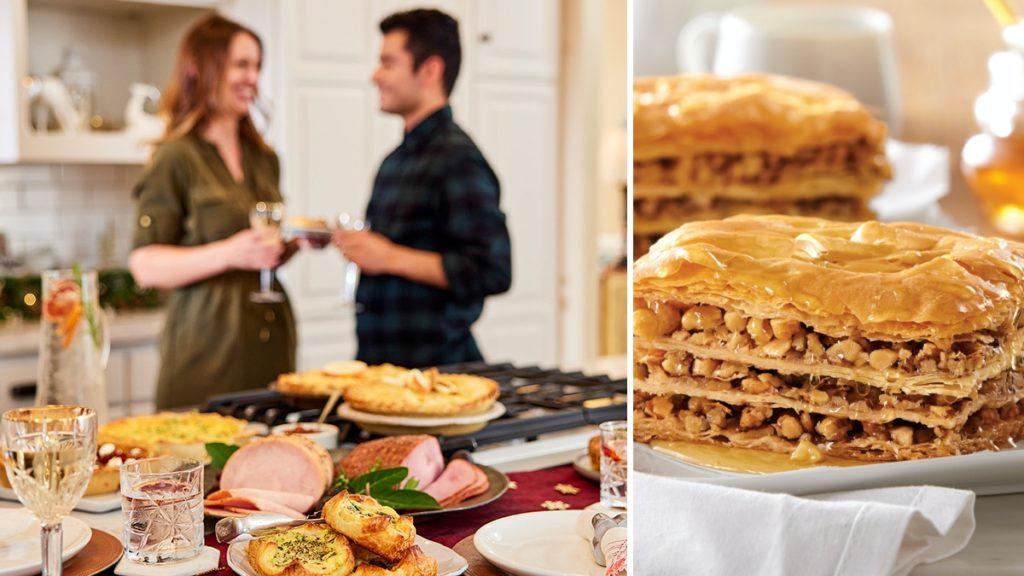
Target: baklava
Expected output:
[708,147]
[805,336]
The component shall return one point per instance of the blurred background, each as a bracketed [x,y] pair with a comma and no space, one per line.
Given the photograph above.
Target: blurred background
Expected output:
[79,80]
[936,59]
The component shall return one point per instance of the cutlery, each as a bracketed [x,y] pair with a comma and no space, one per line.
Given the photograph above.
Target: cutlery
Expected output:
[227,529]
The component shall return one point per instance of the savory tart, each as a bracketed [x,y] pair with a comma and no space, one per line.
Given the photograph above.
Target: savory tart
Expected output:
[175,433]
[415,563]
[424,393]
[335,377]
[868,341]
[372,525]
[306,550]
[707,147]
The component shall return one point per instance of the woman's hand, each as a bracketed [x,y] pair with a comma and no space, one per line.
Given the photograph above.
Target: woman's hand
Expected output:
[251,250]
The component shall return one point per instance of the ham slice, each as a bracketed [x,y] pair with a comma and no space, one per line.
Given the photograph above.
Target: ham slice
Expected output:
[288,464]
[479,486]
[420,453]
[244,504]
[458,476]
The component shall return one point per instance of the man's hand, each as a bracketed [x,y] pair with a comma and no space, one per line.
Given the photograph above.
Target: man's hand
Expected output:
[372,252]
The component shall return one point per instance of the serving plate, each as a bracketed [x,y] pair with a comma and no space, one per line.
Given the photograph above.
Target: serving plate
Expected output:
[582,465]
[20,553]
[96,503]
[498,486]
[537,544]
[984,473]
[397,425]
[449,562]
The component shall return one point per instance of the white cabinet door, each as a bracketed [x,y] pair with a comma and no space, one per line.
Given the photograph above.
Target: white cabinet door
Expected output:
[144,369]
[17,382]
[517,38]
[517,133]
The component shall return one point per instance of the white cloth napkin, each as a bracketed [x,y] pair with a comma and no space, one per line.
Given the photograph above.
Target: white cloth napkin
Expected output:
[685,527]
[207,561]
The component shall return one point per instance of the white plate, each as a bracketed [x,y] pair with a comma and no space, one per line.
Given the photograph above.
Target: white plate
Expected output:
[983,472]
[449,563]
[20,554]
[920,180]
[537,544]
[95,504]
[349,413]
[582,465]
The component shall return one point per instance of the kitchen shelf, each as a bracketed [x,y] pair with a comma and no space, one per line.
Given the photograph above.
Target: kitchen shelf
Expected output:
[122,41]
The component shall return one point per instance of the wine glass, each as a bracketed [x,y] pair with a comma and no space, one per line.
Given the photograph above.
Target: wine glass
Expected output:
[351,279]
[49,452]
[266,218]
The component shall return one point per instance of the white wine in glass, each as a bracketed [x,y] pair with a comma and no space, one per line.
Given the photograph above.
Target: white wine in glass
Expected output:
[266,218]
[49,452]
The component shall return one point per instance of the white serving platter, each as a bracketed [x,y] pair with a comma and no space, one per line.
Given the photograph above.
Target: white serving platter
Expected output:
[449,562]
[96,504]
[984,473]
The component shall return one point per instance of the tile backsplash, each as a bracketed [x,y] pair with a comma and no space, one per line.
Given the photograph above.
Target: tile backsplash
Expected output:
[77,213]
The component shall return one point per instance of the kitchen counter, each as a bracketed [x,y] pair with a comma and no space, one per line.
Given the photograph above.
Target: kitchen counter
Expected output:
[126,329]
[995,549]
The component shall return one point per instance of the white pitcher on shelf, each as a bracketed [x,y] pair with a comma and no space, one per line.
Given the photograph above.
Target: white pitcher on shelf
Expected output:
[139,122]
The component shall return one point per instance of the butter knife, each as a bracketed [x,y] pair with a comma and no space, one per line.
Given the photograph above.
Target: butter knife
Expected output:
[227,529]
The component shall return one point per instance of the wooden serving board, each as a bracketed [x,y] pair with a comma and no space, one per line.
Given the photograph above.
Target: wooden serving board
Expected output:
[101,553]
[478,565]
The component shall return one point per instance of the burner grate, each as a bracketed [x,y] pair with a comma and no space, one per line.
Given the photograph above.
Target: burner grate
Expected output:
[537,401]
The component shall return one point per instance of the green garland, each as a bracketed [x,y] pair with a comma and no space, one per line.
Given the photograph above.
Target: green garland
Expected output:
[21,296]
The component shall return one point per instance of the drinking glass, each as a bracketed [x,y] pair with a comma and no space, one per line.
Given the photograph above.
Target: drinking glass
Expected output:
[162,509]
[266,218]
[49,453]
[614,463]
[351,279]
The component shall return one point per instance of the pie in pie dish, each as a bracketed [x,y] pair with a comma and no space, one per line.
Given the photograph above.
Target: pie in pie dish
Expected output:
[335,377]
[866,340]
[708,147]
[424,393]
[182,434]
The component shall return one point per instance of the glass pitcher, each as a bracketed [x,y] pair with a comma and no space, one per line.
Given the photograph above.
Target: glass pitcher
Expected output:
[74,343]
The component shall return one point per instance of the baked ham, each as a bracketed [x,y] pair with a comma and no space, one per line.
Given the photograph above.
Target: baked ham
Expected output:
[284,474]
[420,453]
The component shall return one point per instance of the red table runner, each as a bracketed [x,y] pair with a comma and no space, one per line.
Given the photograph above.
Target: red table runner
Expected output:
[532,489]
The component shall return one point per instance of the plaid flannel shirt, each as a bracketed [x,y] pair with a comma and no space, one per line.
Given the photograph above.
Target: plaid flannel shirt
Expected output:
[435,192]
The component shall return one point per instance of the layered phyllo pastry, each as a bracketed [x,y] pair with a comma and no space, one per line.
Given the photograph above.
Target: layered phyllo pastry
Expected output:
[815,338]
[708,147]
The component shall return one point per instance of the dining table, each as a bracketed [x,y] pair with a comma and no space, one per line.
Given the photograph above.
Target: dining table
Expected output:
[528,491]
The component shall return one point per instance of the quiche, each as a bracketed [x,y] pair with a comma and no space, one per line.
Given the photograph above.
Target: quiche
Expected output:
[372,525]
[181,434]
[425,393]
[306,550]
[415,563]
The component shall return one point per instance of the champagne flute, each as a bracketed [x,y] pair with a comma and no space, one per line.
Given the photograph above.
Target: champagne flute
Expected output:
[49,452]
[266,218]
[351,279]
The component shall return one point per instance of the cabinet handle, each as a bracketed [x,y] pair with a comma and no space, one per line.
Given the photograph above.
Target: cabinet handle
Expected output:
[485,38]
[22,390]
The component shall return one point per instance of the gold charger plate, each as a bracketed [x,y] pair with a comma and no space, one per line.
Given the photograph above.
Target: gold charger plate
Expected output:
[101,553]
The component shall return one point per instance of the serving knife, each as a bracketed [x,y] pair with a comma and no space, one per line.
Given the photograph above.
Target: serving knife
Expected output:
[227,529]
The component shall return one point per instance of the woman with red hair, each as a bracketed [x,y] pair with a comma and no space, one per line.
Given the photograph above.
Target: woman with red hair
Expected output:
[192,233]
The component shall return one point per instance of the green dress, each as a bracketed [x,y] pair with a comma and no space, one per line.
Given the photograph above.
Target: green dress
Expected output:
[215,340]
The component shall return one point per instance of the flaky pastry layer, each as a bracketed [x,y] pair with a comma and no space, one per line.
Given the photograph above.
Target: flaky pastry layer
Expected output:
[885,281]
[748,113]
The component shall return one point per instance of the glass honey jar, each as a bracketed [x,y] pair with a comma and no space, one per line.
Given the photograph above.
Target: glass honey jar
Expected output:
[992,161]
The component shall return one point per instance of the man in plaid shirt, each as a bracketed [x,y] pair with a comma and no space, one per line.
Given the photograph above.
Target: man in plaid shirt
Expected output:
[439,243]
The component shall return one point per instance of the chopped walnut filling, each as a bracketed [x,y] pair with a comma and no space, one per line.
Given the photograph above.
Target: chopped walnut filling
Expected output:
[793,341]
[828,393]
[715,168]
[703,416]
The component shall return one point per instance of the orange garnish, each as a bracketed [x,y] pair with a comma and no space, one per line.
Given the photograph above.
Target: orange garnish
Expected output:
[70,325]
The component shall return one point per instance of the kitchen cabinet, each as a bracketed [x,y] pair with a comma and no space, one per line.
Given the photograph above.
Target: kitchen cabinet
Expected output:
[506,98]
[121,41]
